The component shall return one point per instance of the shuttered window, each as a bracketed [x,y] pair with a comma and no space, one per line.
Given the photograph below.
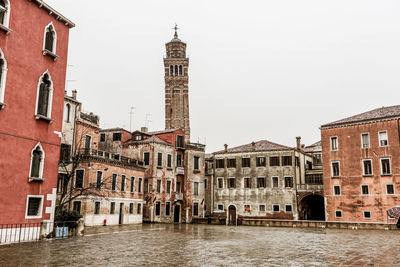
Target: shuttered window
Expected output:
[44,94]
[36,162]
[49,39]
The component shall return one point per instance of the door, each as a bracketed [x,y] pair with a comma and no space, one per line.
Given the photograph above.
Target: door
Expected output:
[177,210]
[232,215]
[121,212]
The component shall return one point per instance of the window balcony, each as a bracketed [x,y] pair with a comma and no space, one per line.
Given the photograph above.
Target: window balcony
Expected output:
[180,171]
[178,196]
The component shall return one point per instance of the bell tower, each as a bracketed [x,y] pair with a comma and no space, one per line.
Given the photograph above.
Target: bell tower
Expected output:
[176,66]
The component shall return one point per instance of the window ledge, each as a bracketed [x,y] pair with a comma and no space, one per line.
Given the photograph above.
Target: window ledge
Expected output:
[368,175]
[386,174]
[335,176]
[2,105]
[37,179]
[169,168]
[5,29]
[41,117]
[159,167]
[196,171]
[50,54]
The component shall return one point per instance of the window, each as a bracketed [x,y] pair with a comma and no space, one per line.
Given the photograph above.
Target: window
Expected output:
[389,189]
[167,208]
[260,162]
[336,190]
[383,138]
[245,162]
[102,137]
[117,136]
[34,207]
[287,161]
[67,113]
[179,141]
[99,179]
[275,208]
[37,162]
[246,182]
[365,140]
[159,159]
[231,182]
[158,208]
[195,209]
[335,169]
[220,207]
[44,96]
[79,174]
[231,163]
[220,163]
[178,187]
[178,160]
[367,215]
[4,12]
[77,206]
[275,182]
[338,213]
[132,184]
[247,208]
[385,166]
[114,181]
[116,156]
[367,167]
[130,208]
[289,182]
[146,156]
[334,143]
[97,207]
[3,73]
[139,208]
[274,161]
[195,188]
[50,41]
[220,182]
[288,208]
[261,208]
[168,187]
[261,182]
[123,182]
[180,70]
[112,207]
[65,152]
[205,183]
[158,188]
[196,163]
[62,182]
[169,161]
[140,185]
[364,190]
[171,70]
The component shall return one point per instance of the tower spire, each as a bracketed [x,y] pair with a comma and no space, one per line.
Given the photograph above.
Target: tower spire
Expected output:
[176,31]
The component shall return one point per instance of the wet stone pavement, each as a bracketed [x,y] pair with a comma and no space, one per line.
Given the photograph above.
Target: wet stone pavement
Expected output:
[209,245]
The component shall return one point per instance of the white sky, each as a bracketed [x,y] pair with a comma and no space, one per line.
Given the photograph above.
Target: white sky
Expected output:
[258,69]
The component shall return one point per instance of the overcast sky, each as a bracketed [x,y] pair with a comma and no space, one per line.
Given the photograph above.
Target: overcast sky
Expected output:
[258,69]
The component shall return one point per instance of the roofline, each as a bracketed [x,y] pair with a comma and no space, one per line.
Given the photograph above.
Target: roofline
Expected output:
[55,13]
[344,124]
[71,99]
[253,151]
[114,129]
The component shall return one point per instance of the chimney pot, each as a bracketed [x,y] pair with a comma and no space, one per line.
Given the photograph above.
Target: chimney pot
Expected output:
[253,145]
[144,129]
[298,142]
[226,147]
[74,92]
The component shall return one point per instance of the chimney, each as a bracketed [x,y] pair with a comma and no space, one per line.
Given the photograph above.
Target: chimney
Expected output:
[74,92]
[226,147]
[298,142]
[253,146]
[144,129]
[302,146]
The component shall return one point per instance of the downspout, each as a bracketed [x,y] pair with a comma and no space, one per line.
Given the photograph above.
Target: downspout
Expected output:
[295,180]
[73,153]
[398,128]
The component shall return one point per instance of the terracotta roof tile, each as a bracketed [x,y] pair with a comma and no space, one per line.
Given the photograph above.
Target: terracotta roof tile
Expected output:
[263,145]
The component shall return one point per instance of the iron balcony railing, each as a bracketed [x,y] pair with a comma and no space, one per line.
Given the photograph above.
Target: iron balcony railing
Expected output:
[314,179]
[92,153]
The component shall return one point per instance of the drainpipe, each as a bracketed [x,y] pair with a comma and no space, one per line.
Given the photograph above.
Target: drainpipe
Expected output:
[398,128]
[295,180]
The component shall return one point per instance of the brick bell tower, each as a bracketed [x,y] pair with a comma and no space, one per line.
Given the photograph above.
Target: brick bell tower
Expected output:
[176,66]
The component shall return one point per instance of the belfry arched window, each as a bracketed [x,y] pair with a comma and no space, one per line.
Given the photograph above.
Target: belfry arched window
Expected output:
[4,12]
[171,70]
[176,70]
[50,39]
[37,162]
[180,70]
[44,96]
[3,74]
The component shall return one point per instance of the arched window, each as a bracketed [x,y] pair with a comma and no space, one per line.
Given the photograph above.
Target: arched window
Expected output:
[176,70]
[67,112]
[3,74]
[37,161]
[180,70]
[4,12]
[44,96]
[50,38]
[171,70]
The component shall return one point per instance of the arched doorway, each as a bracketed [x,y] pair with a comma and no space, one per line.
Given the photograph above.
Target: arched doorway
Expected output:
[232,215]
[312,207]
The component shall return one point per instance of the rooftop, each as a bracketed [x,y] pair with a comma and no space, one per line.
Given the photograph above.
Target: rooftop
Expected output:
[263,145]
[53,12]
[372,115]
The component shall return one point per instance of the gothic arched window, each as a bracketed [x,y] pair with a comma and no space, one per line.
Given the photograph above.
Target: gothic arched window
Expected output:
[44,96]
[4,12]
[37,160]
[171,70]
[67,112]
[50,38]
[180,70]
[176,70]
[3,74]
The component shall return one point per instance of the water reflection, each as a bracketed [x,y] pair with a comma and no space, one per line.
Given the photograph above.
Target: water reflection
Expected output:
[200,245]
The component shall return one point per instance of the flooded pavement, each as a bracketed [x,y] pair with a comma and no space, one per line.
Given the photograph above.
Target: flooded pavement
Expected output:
[210,245]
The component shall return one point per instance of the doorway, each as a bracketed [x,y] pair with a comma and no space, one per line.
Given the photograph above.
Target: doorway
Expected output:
[232,215]
[121,213]
[177,209]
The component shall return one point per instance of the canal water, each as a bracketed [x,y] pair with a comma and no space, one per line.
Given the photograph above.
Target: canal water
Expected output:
[210,245]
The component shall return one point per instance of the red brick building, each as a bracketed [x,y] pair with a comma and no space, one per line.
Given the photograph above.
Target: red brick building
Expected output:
[33,62]
[361,166]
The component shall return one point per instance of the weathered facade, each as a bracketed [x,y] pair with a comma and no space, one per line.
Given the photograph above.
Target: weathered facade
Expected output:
[361,166]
